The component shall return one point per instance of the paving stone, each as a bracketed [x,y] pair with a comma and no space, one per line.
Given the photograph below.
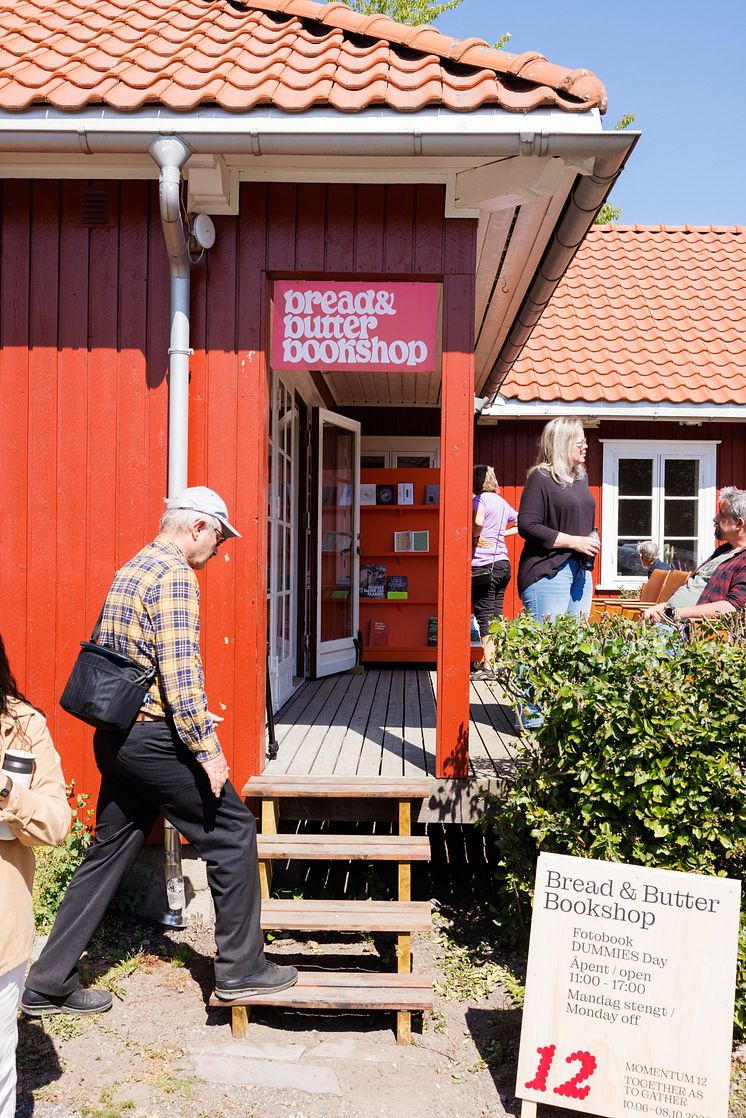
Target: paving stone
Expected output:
[240,1071]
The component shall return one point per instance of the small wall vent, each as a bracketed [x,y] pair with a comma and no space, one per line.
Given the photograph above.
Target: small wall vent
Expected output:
[95,209]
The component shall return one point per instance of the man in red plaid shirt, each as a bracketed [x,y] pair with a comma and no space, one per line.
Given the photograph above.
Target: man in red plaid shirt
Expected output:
[718,586]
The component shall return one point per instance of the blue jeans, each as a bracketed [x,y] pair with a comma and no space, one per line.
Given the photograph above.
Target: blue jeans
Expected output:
[569,592]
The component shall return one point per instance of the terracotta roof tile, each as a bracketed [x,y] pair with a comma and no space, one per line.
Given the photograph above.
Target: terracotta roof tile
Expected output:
[643,313]
[181,53]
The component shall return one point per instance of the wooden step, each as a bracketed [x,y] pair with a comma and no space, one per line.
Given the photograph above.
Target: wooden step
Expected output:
[343,848]
[282,786]
[347,990]
[346,916]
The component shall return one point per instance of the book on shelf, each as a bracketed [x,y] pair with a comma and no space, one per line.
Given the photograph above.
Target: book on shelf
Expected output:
[373,580]
[385,494]
[405,492]
[344,494]
[397,587]
[367,493]
[341,592]
[378,634]
[412,541]
[432,494]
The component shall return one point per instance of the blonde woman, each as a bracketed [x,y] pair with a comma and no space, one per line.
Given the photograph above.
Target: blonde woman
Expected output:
[556,519]
[492,520]
[36,816]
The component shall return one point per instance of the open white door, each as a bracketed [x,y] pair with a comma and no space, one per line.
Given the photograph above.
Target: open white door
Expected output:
[283,453]
[337,446]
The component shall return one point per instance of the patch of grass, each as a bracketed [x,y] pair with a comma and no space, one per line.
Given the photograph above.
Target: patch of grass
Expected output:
[108,1107]
[118,971]
[184,956]
[175,1085]
[470,974]
[63,1026]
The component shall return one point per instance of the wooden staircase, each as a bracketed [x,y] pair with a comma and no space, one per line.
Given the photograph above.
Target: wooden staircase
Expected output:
[402,991]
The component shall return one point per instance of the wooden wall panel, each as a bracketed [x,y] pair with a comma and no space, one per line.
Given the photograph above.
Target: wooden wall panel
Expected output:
[84,335]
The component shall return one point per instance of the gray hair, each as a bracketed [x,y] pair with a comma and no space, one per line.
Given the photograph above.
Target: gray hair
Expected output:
[648,550]
[735,499]
[177,520]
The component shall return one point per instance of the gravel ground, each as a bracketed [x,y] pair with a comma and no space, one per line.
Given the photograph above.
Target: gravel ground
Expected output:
[162,1053]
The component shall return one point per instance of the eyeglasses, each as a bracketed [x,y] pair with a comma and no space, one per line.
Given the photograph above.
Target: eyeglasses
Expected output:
[219,537]
[582,444]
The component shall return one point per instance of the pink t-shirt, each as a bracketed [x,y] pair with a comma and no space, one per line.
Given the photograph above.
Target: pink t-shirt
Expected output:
[497,515]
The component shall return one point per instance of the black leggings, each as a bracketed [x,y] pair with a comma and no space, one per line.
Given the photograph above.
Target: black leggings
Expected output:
[487,600]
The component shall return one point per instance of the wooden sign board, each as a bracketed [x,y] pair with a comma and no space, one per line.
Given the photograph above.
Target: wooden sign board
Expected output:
[375,326]
[630,991]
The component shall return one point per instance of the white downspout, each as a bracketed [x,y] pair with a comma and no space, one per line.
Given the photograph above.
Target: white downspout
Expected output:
[171,153]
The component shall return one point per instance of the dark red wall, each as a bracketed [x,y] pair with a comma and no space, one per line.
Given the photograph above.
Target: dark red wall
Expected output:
[84,326]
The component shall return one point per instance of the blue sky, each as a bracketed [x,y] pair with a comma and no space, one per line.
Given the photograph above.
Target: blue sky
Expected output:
[677,64]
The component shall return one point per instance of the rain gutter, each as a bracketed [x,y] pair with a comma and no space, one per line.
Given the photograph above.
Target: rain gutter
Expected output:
[687,413]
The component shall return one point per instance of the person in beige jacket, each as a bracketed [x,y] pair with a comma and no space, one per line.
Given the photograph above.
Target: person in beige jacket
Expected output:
[36,816]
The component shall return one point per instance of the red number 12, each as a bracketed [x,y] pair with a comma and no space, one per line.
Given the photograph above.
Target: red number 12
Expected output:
[570,1089]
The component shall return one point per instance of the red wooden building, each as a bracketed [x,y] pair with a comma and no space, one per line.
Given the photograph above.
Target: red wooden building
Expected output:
[328,149]
[645,340]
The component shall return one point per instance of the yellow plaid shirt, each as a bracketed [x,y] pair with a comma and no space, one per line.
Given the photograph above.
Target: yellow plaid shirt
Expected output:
[151,613]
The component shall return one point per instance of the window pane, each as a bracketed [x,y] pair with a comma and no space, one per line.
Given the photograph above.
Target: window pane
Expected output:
[635,477]
[627,559]
[372,461]
[680,554]
[681,477]
[412,461]
[680,518]
[635,518]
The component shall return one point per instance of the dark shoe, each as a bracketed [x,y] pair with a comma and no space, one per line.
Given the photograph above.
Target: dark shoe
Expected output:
[484,674]
[80,1002]
[268,981]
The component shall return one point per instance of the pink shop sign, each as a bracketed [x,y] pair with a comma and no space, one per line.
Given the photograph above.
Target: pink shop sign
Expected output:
[378,327]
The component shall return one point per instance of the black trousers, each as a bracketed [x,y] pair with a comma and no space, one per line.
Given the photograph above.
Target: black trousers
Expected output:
[487,600]
[144,774]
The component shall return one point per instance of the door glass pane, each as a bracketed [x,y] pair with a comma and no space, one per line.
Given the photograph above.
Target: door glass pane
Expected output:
[635,477]
[337,527]
[681,477]
[680,518]
[635,518]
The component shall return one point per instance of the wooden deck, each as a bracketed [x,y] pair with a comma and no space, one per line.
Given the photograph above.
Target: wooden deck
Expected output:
[382,723]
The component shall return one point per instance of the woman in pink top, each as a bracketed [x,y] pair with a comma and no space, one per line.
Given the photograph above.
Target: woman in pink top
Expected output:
[492,520]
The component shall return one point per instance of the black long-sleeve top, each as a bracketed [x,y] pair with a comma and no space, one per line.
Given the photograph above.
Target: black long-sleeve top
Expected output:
[547,509]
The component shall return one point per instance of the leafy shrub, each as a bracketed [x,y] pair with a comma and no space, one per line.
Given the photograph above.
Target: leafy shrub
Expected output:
[56,865]
[639,757]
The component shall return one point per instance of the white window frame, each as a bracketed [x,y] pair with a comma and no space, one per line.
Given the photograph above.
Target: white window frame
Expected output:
[391,446]
[705,452]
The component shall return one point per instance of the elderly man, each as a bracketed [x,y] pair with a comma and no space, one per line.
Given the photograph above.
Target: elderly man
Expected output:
[718,586]
[649,557]
[169,763]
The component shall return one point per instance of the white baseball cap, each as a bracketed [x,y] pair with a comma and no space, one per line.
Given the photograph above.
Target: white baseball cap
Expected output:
[199,498]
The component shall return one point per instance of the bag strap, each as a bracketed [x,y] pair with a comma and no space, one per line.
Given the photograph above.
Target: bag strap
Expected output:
[97,627]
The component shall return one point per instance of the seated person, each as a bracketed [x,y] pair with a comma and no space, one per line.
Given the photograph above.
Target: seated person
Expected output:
[718,586]
[649,557]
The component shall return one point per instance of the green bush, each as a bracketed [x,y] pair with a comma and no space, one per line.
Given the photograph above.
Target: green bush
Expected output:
[55,865]
[639,758]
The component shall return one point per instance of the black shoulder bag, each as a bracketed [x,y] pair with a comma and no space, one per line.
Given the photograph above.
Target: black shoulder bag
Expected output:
[106,689]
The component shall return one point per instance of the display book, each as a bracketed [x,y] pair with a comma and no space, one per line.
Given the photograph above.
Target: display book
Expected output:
[399,576]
